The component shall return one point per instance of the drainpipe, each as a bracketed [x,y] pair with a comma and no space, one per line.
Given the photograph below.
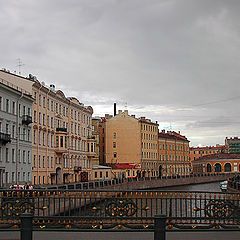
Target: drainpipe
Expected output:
[48,158]
[37,156]
[17,137]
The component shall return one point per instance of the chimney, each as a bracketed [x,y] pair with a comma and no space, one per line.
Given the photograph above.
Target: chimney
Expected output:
[115,109]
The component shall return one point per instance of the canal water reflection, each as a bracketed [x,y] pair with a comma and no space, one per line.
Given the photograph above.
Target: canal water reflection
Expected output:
[206,187]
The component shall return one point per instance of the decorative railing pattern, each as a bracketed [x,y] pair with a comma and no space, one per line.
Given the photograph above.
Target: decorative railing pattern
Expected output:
[128,210]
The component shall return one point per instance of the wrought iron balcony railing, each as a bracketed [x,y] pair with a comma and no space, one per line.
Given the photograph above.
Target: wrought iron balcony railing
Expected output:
[5,138]
[26,119]
[61,129]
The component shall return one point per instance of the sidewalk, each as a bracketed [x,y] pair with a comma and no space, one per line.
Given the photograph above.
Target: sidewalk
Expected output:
[123,236]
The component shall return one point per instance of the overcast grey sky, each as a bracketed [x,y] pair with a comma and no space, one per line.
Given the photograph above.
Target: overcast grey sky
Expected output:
[175,61]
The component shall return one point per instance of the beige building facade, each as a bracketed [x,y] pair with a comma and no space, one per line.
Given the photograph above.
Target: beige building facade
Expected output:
[173,154]
[132,141]
[63,147]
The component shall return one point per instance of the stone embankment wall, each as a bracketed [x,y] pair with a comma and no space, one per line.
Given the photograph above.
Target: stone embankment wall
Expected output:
[158,183]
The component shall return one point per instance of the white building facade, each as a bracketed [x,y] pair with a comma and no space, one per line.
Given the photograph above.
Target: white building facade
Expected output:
[15,135]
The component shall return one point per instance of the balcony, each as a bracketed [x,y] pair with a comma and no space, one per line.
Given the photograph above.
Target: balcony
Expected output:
[61,130]
[26,119]
[5,138]
[60,150]
[77,169]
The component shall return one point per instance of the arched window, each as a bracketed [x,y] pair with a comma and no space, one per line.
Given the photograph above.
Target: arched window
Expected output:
[227,167]
[217,167]
[209,168]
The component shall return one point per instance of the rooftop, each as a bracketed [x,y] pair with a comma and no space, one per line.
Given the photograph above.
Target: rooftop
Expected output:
[172,135]
[220,156]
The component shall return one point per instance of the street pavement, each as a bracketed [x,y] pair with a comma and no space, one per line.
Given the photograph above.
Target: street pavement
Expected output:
[123,236]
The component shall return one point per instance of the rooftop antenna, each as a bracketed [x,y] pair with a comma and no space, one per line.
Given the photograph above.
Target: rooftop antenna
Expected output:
[20,64]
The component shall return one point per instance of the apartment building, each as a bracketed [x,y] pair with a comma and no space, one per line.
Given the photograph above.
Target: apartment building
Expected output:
[132,141]
[197,152]
[15,134]
[232,144]
[99,133]
[62,143]
[173,154]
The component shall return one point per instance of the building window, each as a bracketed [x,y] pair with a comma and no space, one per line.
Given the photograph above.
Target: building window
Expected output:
[13,155]
[13,177]
[43,139]
[28,135]
[34,161]
[34,136]
[40,99]
[114,154]
[28,157]
[7,105]
[106,174]
[13,131]
[44,102]
[114,144]
[114,135]
[24,156]
[57,141]
[13,107]
[100,174]
[39,161]
[95,174]
[7,155]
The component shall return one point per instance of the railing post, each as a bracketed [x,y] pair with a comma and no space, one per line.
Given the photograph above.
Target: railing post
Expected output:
[160,227]
[26,226]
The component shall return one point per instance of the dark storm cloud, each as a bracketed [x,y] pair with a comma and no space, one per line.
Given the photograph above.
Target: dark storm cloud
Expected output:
[162,59]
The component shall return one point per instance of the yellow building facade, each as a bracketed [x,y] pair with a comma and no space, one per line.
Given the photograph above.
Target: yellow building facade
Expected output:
[63,147]
[132,141]
[173,154]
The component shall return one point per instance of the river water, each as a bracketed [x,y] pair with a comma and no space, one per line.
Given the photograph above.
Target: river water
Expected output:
[206,187]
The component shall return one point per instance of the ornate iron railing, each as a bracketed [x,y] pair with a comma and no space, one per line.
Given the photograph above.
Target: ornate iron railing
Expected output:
[128,210]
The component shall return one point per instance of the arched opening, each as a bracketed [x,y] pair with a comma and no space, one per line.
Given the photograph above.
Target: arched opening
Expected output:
[144,174]
[58,175]
[160,171]
[227,167]
[217,167]
[209,167]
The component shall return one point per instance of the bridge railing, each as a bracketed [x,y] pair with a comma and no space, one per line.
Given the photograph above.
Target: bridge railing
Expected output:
[107,210]
[182,209]
[113,182]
